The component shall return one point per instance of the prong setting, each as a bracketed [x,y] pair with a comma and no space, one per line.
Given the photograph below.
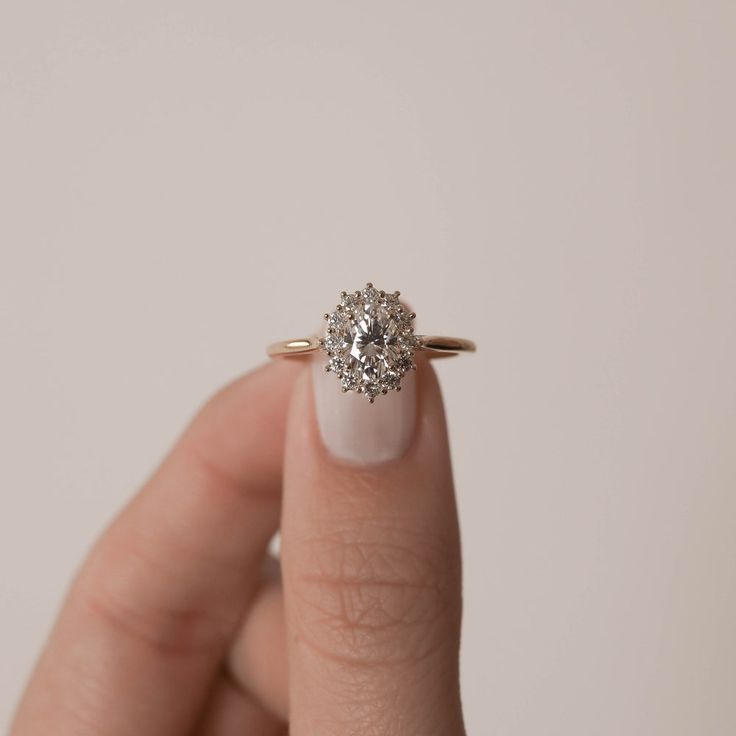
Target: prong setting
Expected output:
[369,340]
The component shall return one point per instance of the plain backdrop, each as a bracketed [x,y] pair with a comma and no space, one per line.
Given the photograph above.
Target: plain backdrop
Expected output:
[182,183]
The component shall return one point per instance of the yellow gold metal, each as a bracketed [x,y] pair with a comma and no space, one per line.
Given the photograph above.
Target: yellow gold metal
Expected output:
[442,346]
[435,346]
[300,346]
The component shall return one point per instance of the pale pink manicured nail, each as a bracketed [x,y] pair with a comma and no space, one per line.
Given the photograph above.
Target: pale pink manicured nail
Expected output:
[356,431]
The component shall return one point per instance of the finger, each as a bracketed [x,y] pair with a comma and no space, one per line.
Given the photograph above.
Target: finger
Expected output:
[371,562]
[231,712]
[147,622]
[257,659]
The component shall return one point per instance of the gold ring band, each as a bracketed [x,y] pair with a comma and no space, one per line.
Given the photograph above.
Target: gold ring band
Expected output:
[436,346]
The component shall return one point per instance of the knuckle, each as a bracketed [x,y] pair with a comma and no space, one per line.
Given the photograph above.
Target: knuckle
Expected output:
[145,610]
[376,596]
[177,632]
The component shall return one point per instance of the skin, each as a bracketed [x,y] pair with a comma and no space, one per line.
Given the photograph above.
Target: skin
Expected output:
[179,622]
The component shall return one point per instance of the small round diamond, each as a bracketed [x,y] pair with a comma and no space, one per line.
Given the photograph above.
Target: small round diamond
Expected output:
[370,340]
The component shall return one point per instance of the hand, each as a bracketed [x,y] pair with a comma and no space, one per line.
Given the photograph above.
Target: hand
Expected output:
[178,624]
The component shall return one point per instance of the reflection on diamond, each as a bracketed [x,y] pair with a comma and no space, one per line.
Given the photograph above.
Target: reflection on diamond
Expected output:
[375,348]
[370,341]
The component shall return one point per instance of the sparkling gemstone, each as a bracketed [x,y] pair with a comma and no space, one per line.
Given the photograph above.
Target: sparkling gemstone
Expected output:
[373,343]
[370,342]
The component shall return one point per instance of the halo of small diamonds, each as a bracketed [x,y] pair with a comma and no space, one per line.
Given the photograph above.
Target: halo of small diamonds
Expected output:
[369,340]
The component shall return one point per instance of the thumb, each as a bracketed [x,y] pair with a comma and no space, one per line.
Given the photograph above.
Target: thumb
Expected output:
[371,561]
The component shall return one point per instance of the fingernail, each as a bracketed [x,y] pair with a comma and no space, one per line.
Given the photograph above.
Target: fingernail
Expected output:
[354,430]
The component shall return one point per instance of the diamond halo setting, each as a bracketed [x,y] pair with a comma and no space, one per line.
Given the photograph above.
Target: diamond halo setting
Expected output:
[369,340]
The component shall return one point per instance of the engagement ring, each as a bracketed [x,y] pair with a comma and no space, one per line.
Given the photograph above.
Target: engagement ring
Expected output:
[369,342]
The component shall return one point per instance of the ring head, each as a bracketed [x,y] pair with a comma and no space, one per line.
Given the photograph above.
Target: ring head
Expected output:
[369,340]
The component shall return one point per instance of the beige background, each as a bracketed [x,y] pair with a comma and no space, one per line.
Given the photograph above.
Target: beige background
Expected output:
[181,183]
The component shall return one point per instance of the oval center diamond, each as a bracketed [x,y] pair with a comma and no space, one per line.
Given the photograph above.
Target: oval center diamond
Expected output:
[370,341]
[374,343]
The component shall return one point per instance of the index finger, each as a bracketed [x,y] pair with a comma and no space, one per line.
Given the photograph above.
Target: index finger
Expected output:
[147,621]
